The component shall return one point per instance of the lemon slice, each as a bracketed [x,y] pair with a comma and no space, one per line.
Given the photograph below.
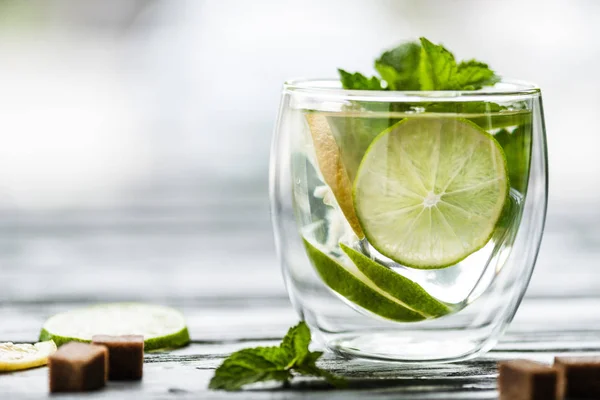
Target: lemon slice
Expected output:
[18,356]
[332,167]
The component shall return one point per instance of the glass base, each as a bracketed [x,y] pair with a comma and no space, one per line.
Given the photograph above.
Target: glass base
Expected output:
[406,347]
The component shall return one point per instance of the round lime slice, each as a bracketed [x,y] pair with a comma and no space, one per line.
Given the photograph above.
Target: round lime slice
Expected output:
[430,190]
[162,327]
[18,356]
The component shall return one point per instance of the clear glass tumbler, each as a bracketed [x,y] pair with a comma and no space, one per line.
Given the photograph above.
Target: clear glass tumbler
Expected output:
[408,224]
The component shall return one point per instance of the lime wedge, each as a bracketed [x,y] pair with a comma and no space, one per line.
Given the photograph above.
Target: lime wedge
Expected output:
[354,286]
[332,168]
[353,135]
[430,190]
[162,327]
[400,287]
[15,356]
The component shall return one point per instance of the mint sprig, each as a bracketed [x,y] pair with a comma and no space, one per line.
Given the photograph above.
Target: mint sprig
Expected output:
[358,81]
[399,67]
[422,66]
[275,363]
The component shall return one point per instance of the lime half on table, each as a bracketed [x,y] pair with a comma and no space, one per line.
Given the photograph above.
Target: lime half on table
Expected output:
[162,327]
[430,190]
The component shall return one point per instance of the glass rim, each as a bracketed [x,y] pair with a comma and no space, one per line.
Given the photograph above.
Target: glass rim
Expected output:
[331,88]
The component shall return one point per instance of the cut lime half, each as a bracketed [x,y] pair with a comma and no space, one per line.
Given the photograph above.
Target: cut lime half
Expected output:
[19,356]
[430,190]
[162,327]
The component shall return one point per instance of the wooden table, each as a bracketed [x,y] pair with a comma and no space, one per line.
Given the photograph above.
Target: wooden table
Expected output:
[236,299]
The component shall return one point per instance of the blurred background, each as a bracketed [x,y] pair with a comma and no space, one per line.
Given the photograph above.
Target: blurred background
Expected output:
[135,134]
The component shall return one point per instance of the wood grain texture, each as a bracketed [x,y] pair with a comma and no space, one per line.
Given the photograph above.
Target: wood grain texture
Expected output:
[219,327]
[191,268]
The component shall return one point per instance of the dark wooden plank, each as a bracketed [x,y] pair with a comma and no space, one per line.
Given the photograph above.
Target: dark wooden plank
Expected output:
[174,380]
[190,268]
[186,372]
[220,327]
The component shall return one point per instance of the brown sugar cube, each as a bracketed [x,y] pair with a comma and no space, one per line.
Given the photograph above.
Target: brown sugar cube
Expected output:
[528,380]
[582,376]
[78,367]
[125,355]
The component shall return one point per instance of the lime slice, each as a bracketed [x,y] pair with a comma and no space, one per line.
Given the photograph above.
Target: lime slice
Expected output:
[354,286]
[400,287]
[332,168]
[15,357]
[162,327]
[430,190]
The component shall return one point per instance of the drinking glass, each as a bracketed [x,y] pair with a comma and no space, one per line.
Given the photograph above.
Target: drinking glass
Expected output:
[372,278]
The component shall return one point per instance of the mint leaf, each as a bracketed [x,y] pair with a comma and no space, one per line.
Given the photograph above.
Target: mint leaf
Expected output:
[275,355]
[309,368]
[517,149]
[399,67]
[424,66]
[473,75]
[296,342]
[439,71]
[274,363]
[250,366]
[358,81]
[437,68]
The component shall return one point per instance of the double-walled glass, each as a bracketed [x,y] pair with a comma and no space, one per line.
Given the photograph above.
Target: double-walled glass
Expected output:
[338,156]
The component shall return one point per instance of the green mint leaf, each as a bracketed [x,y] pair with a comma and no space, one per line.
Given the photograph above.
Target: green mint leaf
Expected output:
[309,368]
[516,144]
[296,341]
[422,66]
[358,81]
[276,363]
[250,366]
[399,67]
[275,355]
[439,71]
[312,357]
[437,68]
[473,75]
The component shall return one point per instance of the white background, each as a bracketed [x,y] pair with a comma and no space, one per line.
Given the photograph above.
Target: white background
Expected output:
[135,134]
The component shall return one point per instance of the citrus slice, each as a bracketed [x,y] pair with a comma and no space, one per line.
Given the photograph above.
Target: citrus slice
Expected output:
[400,287]
[350,283]
[162,327]
[353,134]
[332,168]
[18,356]
[430,190]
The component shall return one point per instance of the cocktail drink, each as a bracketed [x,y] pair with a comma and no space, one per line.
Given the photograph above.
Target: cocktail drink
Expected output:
[408,222]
